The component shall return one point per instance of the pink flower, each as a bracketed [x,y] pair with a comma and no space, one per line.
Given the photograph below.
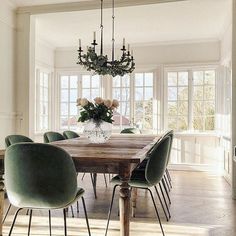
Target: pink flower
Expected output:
[98,100]
[115,103]
[108,103]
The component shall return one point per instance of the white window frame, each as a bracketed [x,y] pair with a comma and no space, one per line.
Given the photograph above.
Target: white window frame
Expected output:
[190,69]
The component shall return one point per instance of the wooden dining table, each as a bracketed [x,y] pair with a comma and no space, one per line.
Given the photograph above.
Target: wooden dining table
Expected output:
[119,155]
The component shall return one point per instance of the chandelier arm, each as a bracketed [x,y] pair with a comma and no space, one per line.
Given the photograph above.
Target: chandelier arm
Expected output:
[101,27]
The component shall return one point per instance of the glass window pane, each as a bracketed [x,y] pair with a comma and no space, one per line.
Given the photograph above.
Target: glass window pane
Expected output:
[198,123]
[64,95]
[94,93]
[172,108]
[182,123]
[72,122]
[138,79]
[86,93]
[210,77]
[198,77]
[95,81]
[138,94]
[198,108]
[210,123]
[183,78]
[73,82]
[209,92]
[148,93]
[172,93]
[64,81]
[126,81]
[86,81]
[183,93]
[125,94]
[139,110]
[148,79]
[117,94]
[73,109]
[209,108]
[125,109]
[116,81]
[198,93]
[45,94]
[73,95]
[64,123]
[64,109]
[183,108]
[172,123]
[172,79]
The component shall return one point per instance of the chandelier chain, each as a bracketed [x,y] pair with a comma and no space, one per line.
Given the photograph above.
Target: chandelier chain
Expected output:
[113,31]
[101,26]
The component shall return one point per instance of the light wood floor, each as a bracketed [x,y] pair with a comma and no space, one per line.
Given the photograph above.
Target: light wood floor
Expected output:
[201,206]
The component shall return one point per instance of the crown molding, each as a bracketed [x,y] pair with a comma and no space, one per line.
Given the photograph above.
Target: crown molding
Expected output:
[88,5]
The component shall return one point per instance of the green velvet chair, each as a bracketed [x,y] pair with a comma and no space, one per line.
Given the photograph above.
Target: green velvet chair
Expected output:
[16,138]
[68,134]
[153,174]
[52,137]
[41,176]
[130,131]
[10,140]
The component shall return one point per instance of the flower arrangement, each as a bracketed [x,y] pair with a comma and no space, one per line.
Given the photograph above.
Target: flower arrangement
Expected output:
[98,110]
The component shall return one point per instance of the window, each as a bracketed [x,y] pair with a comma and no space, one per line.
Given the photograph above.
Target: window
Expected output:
[68,108]
[178,100]
[121,92]
[191,100]
[71,88]
[42,101]
[90,86]
[143,100]
[135,95]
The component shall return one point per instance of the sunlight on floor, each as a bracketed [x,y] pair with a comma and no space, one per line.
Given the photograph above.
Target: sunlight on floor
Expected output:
[77,227]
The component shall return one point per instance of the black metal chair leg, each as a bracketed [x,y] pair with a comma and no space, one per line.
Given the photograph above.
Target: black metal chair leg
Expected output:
[105,179]
[30,219]
[168,175]
[65,227]
[162,193]
[167,194]
[8,209]
[86,216]
[27,212]
[72,211]
[14,220]
[110,209]
[77,204]
[167,218]
[166,181]
[83,177]
[158,217]
[50,222]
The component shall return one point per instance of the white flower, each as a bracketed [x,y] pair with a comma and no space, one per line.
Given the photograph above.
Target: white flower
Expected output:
[78,101]
[108,103]
[84,102]
[98,100]
[115,103]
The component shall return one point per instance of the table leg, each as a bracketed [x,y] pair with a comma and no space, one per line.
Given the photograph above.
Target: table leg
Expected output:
[134,200]
[2,192]
[124,204]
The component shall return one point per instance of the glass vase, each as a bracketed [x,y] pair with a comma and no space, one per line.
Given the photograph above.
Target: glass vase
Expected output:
[97,131]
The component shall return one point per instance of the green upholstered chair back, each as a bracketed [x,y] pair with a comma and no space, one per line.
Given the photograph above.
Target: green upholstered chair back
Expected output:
[70,134]
[39,176]
[156,164]
[52,137]
[130,131]
[16,138]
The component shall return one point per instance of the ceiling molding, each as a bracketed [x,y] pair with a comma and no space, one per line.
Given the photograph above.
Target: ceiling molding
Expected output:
[88,5]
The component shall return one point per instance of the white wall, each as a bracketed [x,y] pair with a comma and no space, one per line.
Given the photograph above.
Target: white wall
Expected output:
[153,55]
[7,70]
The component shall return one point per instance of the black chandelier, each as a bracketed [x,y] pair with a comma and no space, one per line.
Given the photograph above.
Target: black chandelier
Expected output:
[100,63]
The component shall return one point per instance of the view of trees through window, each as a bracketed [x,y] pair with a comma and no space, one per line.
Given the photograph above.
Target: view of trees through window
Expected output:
[191,102]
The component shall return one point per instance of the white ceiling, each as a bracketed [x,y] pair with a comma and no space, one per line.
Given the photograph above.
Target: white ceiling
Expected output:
[178,21]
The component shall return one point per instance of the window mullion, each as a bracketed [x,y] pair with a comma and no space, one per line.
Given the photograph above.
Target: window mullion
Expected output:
[190,100]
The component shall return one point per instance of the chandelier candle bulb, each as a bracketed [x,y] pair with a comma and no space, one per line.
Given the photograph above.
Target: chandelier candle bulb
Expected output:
[94,36]
[124,42]
[80,43]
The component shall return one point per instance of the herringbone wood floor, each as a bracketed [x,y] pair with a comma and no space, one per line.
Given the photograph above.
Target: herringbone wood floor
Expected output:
[201,206]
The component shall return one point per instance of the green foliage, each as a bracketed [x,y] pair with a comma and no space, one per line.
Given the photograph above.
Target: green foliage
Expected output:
[96,112]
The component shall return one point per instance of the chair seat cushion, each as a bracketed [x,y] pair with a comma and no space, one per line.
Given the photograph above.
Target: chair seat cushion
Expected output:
[41,204]
[137,179]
